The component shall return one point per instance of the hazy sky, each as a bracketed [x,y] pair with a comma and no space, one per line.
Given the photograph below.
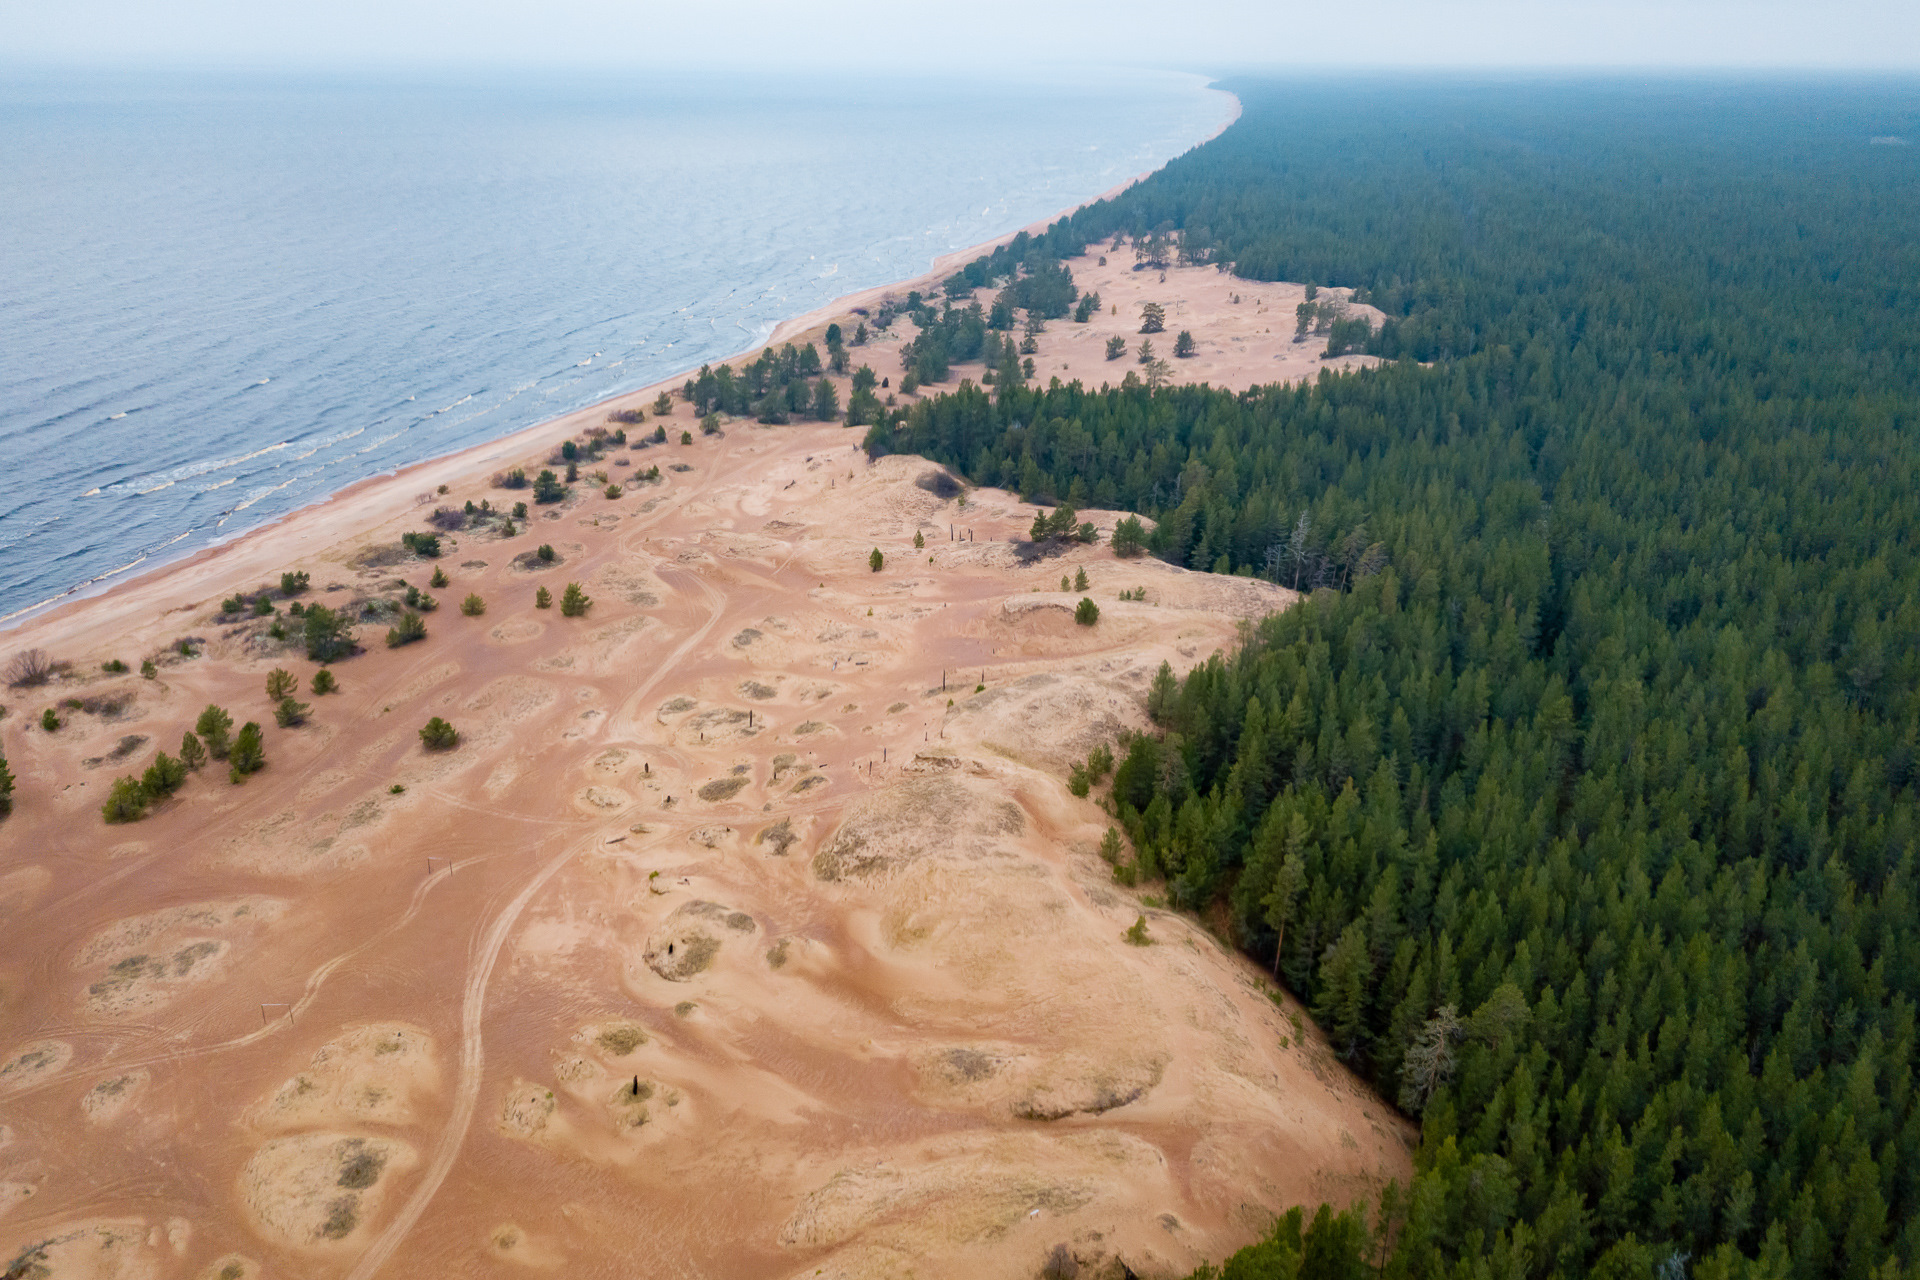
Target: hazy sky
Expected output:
[1206,35]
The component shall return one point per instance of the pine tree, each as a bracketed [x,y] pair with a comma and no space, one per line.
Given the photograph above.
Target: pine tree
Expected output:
[1162,694]
[163,777]
[248,753]
[826,400]
[6,788]
[408,628]
[193,753]
[328,634]
[1278,903]
[1341,1006]
[126,801]
[1129,537]
[214,726]
[574,602]
[280,684]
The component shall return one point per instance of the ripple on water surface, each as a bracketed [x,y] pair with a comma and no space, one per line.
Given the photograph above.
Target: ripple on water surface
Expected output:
[235,305]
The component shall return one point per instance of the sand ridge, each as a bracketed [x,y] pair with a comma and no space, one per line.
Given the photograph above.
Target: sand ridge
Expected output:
[751,928]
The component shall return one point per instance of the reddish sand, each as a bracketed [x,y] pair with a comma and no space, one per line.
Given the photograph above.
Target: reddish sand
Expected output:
[739,936]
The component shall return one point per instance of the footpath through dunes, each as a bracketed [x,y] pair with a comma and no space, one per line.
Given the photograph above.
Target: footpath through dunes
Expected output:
[751,929]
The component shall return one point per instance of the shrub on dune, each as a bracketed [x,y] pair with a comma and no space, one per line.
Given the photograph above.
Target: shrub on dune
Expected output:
[438,735]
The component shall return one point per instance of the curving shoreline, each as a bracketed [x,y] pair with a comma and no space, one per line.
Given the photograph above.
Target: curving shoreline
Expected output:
[379,497]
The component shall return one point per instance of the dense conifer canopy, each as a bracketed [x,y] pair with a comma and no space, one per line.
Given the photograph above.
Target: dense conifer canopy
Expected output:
[1579,797]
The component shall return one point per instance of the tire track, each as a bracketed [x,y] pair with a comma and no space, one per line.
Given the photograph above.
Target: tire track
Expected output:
[480,972]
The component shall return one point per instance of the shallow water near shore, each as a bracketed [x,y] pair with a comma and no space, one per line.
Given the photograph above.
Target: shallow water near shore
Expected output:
[227,298]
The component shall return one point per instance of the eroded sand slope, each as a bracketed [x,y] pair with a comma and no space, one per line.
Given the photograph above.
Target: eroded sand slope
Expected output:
[728,942]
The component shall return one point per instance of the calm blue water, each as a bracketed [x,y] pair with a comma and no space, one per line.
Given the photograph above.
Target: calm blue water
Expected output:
[223,299]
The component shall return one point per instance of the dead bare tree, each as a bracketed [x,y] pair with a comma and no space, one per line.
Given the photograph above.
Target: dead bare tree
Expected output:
[29,669]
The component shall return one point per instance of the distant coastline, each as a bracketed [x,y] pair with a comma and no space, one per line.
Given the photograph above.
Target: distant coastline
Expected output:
[150,569]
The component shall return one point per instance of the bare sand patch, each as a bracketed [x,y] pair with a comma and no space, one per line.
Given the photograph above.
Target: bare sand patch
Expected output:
[602,799]
[290,844]
[321,783]
[512,698]
[144,981]
[231,1266]
[518,631]
[321,1190]
[32,1063]
[527,1110]
[15,1191]
[157,928]
[108,1100]
[914,819]
[109,1249]
[719,726]
[779,837]
[615,1039]
[960,1192]
[511,1243]
[21,888]
[633,585]
[721,789]
[1049,720]
[1076,1084]
[425,682]
[688,941]
[373,1074]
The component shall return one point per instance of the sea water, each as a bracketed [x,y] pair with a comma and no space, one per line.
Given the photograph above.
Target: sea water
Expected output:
[223,298]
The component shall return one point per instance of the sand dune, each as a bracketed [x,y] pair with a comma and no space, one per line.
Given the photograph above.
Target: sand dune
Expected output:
[750,930]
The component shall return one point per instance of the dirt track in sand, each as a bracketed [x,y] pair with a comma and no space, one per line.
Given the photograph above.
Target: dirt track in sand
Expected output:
[899,1025]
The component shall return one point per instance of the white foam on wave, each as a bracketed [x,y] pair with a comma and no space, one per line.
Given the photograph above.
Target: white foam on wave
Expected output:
[78,587]
[188,471]
[258,494]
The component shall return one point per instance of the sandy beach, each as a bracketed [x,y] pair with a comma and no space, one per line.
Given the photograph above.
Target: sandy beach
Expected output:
[750,928]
